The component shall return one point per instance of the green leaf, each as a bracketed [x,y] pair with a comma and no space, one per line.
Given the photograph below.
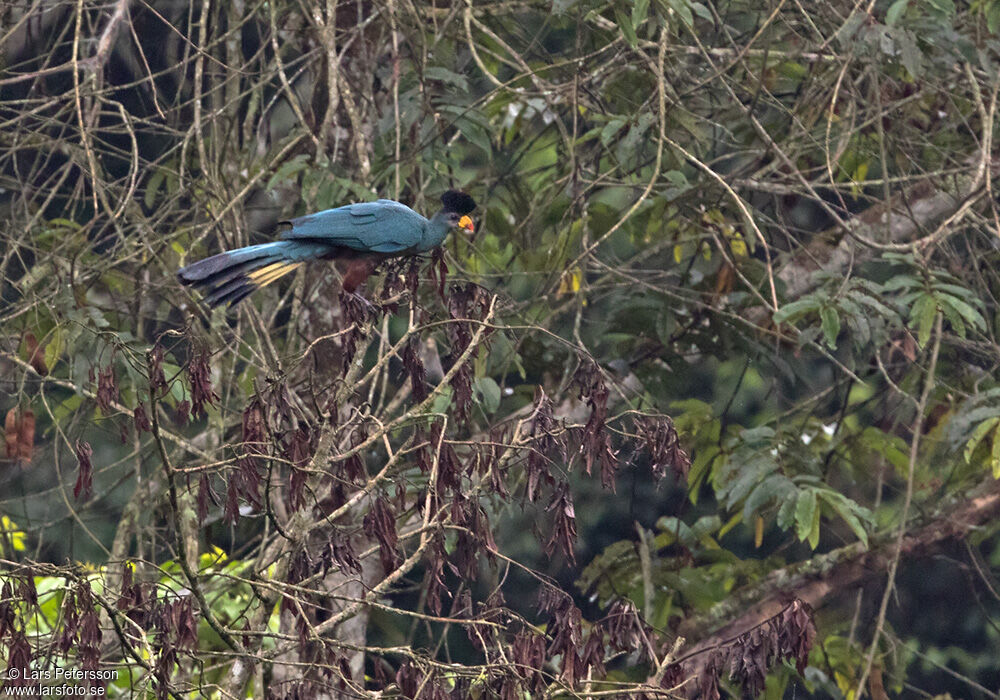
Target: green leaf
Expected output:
[476,135]
[676,528]
[970,314]
[359,191]
[875,305]
[995,454]
[706,525]
[759,436]
[910,54]
[65,223]
[977,436]
[945,7]
[677,178]
[923,314]
[890,447]
[786,513]
[850,512]
[683,9]
[54,348]
[447,76]
[561,6]
[288,169]
[993,17]
[805,513]
[895,11]
[487,394]
[611,129]
[831,325]
[628,31]
[902,282]
[100,321]
[153,186]
[750,473]
[730,524]
[442,401]
[814,531]
[702,11]
[953,317]
[774,488]
[662,617]
[956,290]
[699,469]
[857,527]
[846,34]
[796,309]
[639,12]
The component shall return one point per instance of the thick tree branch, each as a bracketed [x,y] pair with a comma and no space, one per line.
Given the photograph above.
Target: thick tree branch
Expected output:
[817,580]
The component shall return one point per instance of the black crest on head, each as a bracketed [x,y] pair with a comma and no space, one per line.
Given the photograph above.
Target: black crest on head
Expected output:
[458,202]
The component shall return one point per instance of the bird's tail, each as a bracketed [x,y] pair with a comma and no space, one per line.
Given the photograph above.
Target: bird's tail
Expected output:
[230,276]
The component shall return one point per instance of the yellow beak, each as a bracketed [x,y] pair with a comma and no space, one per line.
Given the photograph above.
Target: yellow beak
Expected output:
[466,223]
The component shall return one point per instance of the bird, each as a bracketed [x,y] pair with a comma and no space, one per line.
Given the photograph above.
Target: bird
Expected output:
[363,234]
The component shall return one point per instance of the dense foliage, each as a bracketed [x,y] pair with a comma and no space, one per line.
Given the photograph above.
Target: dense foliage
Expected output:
[707,405]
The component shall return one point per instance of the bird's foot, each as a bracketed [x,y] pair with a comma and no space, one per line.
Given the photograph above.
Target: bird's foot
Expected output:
[359,298]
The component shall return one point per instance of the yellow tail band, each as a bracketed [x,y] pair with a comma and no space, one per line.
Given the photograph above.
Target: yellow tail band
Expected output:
[269,273]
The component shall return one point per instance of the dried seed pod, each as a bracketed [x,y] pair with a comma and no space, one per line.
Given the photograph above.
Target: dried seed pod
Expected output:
[85,471]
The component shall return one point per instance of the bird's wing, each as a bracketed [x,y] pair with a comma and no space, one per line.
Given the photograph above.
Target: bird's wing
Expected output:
[384,226]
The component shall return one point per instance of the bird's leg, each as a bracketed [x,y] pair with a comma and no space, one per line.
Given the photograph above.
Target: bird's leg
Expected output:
[359,298]
[358,270]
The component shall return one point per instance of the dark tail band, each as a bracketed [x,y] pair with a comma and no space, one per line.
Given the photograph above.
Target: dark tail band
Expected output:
[229,277]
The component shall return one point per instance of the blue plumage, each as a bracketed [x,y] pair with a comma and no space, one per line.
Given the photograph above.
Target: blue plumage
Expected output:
[364,233]
[384,226]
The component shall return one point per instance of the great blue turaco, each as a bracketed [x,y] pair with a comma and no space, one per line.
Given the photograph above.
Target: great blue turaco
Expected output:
[362,234]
